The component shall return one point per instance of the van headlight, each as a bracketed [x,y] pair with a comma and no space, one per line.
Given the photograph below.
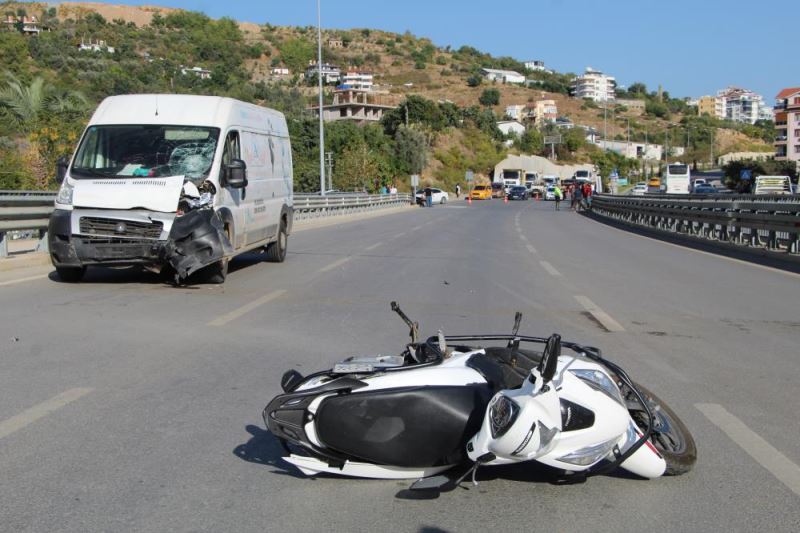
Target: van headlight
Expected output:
[64,196]
[502,415]
[600,381]
[589,455]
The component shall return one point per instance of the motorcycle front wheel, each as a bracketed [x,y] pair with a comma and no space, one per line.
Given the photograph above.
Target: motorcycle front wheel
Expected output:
[670,435]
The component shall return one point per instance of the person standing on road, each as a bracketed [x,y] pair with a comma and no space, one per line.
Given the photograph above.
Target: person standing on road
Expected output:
[587,196]
[557,192]
[428,197]
[458,191]
[577,198]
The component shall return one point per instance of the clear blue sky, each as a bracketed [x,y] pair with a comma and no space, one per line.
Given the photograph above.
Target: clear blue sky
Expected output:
[690,47]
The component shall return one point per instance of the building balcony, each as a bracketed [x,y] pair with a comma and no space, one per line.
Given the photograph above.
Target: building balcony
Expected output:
[781,139]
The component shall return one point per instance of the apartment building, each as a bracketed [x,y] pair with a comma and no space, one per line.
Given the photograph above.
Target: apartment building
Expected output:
[535,65]
[711,106]
[594,85]
[357,106]
[360,81]
[545,111]
[330,73]
[742,105]
[516,112]
[787,123]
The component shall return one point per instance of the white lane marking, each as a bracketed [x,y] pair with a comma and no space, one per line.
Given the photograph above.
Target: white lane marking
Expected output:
[399,235]
[243,310]
[756,447]
[417,228]
[530,248]
[29,416]
[368,248]
[335,264]
[22,280]
[550,269]
[523,237]
[604,318]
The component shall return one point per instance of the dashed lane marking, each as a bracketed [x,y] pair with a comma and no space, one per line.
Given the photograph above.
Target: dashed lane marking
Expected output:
[335,264]
[601,316]
[243,310]
[369,248]
[756,447]
[530,248]
[22,280]
[29,416]
[550,269]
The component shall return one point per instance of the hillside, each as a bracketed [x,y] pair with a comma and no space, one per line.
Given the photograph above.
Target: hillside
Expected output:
[153,45]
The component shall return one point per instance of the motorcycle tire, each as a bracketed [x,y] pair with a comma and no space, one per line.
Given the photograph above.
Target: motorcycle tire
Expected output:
[670,436]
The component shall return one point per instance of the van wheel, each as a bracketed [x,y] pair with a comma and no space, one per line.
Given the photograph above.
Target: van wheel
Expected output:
[217,272]
[70,274]
[276,251]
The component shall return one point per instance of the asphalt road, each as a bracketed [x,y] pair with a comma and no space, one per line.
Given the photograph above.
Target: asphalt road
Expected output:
[129,405]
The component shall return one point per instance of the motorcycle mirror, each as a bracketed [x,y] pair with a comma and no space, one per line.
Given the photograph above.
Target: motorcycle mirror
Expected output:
[413,326]
[552,351]
[517,322]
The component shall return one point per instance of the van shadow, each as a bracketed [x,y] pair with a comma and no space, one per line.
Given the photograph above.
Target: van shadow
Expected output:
[264,449]
[246,260]
[116,276]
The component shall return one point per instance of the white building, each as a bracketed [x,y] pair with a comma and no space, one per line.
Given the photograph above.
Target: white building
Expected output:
[203,74]
[98,46]
[505,76]
[330,73]
[279,71]
[638,150]
[594,85]
[515,112]
[742,105]
[360,81]
[535,65]
[511,127]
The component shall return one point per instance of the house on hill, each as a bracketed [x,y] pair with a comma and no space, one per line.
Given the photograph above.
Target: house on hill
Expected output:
[359,106]
[29,25]
[505,76]
[511,127]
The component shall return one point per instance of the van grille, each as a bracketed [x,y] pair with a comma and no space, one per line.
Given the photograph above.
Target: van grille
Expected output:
[110,227]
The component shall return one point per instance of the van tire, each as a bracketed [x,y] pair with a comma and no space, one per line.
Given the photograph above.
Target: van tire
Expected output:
[276,251]
[217,272]
[70,274]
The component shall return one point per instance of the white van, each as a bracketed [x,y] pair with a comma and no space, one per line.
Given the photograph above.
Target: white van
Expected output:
[773,185]
[173,180]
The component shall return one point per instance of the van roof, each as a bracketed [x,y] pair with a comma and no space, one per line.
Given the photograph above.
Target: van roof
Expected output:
[187,110]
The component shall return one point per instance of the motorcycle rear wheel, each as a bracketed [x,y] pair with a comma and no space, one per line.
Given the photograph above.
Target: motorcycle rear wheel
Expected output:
[670,435]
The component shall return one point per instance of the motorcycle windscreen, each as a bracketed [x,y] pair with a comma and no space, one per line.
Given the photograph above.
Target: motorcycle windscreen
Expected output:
[409,427]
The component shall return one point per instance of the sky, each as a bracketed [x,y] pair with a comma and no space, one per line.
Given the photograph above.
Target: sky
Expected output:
[692,48]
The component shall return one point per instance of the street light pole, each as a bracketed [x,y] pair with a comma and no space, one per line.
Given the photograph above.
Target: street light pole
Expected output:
[321,121]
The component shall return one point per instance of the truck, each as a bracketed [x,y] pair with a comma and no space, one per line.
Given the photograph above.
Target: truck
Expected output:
[175,183]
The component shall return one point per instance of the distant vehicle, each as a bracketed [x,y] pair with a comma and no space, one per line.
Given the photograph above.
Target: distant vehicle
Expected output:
[677,179]
[704,188]
[654,184]
[498,190]
[518,193]
[551,180]
[640,189]
[512,177]
[773,185]
[550,193]
[481,192]
[438,196]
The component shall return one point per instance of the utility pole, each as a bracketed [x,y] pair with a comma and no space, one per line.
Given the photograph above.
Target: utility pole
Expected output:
[321,111]
[329,158]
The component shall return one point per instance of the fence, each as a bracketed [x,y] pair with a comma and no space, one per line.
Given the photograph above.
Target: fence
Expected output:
[30,210]
[762,223]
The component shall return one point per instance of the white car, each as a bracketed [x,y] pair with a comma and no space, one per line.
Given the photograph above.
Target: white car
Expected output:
[640,189]
[439,196]
[550,193]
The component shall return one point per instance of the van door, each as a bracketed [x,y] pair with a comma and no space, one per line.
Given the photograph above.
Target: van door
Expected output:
[239,200]
[255,152]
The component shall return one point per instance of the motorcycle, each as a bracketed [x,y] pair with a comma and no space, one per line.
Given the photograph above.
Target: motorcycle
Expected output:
[447,401]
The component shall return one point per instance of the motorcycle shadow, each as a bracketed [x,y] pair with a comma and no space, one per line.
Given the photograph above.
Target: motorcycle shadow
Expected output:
[263,448]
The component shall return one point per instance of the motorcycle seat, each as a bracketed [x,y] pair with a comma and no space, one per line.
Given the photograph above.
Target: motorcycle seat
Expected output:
[504,368]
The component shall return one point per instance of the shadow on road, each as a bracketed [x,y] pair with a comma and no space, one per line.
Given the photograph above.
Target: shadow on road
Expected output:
[263,448]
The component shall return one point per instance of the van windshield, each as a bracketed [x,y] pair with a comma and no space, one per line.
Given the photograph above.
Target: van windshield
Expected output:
[145,151]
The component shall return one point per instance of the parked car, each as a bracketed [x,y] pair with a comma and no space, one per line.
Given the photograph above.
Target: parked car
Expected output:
[498,190]
[640,189]
[481,192]
[439,196]
[518,192]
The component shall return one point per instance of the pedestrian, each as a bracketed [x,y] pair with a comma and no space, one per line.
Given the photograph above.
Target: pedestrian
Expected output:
[558,194]
[458,191]
[587,195]
[428,197]
[393,189]
[577,198]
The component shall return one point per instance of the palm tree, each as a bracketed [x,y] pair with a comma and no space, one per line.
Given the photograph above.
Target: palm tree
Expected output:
[25,105]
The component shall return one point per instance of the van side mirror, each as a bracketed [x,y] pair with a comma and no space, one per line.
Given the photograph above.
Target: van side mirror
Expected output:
[61,168]
[236,174]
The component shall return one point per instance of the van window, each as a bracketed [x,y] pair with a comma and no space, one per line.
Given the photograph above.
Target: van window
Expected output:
[232,149]
[142,150]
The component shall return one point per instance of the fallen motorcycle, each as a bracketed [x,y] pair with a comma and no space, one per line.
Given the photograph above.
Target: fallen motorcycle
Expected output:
[447,401]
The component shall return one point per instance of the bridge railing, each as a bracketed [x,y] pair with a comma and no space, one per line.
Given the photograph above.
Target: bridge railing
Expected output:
[30,210]
[770,223]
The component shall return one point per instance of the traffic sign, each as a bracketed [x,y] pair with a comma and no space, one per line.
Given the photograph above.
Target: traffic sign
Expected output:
[469,176]
[745,174]
[414,180]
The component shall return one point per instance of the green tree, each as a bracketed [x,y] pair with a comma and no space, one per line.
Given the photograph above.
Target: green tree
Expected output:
[490,97]
[357,168]
[296,53]
[531,142]
[411,150]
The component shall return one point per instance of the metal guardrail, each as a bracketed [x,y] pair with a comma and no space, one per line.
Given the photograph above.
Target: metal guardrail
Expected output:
[770,223]
[30,210]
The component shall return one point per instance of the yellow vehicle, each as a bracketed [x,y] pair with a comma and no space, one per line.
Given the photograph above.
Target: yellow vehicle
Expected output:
[654,184]
[481,192]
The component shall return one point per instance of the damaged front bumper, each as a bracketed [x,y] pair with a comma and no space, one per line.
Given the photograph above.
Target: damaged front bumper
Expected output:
[194,240]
